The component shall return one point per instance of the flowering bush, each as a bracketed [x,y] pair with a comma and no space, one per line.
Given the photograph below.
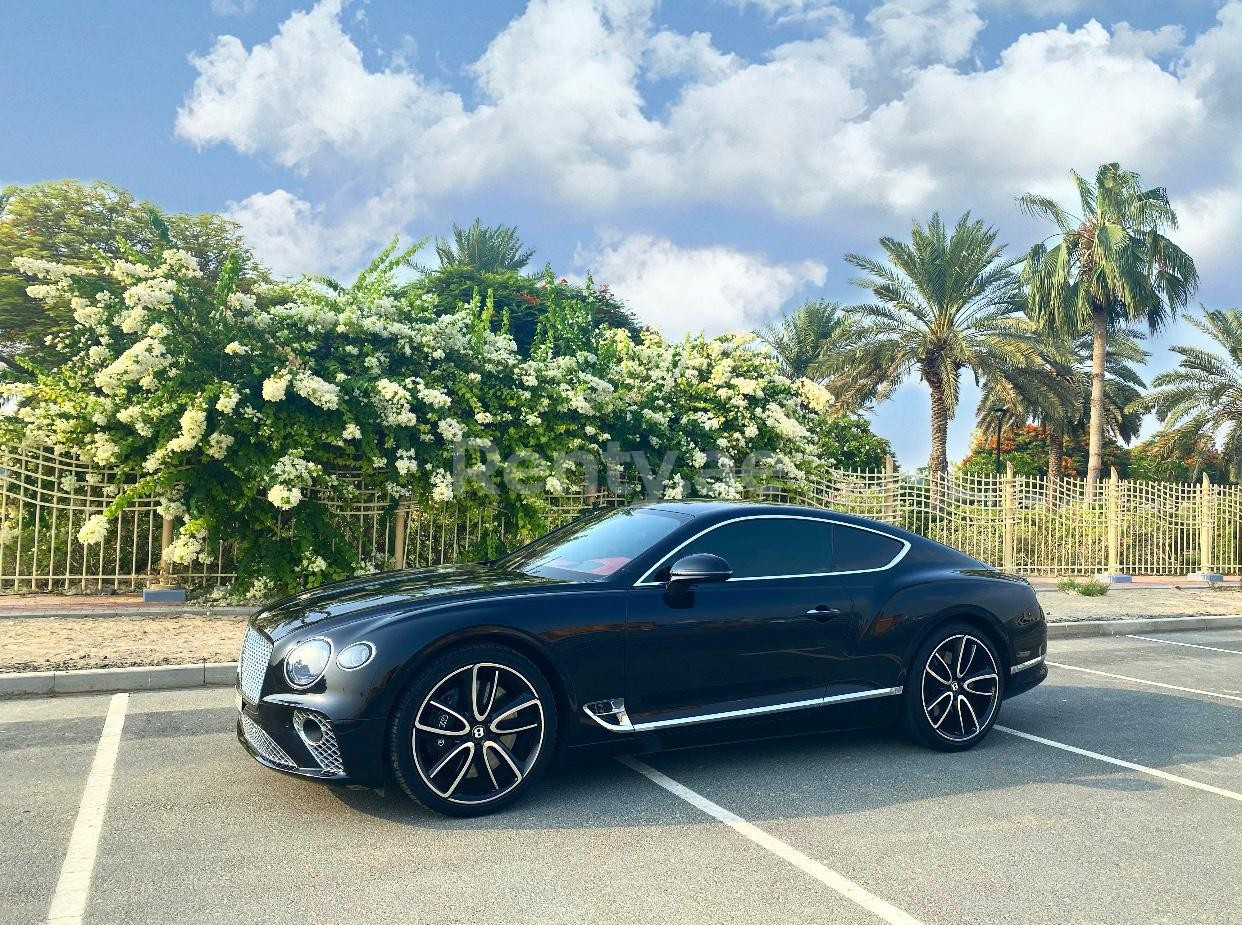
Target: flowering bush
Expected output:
[242,412]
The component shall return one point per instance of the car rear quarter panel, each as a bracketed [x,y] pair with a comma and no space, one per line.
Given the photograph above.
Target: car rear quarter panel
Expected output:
[896,616]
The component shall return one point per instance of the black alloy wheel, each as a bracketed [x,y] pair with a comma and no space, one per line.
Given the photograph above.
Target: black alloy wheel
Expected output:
[954,689]
[475,730]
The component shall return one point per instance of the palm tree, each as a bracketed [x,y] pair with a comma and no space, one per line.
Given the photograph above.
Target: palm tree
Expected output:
[943,303]
[1048,393]
[1203,395]
[1055,391]
[800,339]
[1112,265]
[484,248]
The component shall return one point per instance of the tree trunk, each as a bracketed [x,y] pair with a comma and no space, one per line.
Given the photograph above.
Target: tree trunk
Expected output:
[938,464]
[1095,452]
[1056,459]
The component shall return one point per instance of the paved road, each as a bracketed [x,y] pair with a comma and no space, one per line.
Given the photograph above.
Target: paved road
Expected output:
[1015,831]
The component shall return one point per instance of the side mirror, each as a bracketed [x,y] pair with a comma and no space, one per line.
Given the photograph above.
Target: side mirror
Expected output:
[697,569]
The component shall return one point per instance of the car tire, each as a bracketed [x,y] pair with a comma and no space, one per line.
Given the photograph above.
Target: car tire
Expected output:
[473,731]
[954,689]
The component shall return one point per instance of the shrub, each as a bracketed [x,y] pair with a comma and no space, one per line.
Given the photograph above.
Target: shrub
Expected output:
[1087,587]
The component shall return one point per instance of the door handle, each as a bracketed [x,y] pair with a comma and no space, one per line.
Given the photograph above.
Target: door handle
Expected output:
[823,612]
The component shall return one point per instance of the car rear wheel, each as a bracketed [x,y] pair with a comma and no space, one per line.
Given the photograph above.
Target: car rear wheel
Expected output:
[954,689]
[474,731]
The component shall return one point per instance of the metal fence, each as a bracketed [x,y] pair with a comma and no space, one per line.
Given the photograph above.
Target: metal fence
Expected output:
[1020,523]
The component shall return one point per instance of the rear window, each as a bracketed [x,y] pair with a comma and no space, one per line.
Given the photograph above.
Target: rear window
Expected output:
[860,550]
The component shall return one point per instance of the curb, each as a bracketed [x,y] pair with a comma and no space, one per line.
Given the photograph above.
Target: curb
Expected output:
[138,611]
[1086,628]
[101,680]
[224,674]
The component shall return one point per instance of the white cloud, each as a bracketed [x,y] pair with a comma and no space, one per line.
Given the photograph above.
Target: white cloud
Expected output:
[887,112]
[1147,43]
[671,55]
[692,289]
[233,7]
[920,31]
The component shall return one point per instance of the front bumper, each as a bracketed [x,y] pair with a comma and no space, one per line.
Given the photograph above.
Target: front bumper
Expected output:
[1025,677]
[276,736]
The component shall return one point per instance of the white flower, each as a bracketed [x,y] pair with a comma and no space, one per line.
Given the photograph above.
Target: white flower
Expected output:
[274,387]
[43,269]
[552,485]
[151,293]
[133,320]
[441,486]
[351,432]
[241,302]
[318,392]
[229,397]
[182,262]
[218,445]
[233,348]
[171,509]
[193,426]
[94,531]
[451,430]
[284,496]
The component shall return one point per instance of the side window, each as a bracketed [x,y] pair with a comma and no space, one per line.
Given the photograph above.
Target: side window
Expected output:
[857,550]
[768,546]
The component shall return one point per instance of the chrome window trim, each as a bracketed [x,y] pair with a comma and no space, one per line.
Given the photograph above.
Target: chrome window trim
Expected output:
[905,548]
[1030,663]
[750,711]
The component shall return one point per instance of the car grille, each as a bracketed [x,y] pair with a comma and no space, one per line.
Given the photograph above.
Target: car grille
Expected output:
[326,752]
[262,743]
[256,652]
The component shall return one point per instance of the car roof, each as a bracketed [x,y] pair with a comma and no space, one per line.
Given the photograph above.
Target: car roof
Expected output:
[713,509]
[708,510]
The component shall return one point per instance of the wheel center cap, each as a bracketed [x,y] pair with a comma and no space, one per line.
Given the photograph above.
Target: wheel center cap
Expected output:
[955,685]
[477,732]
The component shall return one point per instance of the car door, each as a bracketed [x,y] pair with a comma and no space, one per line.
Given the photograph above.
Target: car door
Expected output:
[865,560]
[763,640]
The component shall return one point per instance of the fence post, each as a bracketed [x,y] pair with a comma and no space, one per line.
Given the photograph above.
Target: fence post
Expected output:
[890,490]
[398,540]
[1207,531]
[1113,573]
[1008,518]
[164,592]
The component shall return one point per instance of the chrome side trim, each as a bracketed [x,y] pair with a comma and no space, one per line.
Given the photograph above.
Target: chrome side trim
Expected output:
[1027,664]
[751,711]
[614,709]
[905,548]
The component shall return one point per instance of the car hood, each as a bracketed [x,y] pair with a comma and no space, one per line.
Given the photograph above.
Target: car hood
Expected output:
[382,594]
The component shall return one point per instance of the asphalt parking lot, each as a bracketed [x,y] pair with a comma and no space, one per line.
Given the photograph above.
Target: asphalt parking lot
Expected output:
[1133,815]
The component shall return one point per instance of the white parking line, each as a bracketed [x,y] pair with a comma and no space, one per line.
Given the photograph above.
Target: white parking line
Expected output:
[830,878]
[1188,645]
[1123,677]
[1153,772]
[69,900]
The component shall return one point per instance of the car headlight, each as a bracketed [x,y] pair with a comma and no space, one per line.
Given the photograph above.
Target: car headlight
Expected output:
[306,663]
[355,655]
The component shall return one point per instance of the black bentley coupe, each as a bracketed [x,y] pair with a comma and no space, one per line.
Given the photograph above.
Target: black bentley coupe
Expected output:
[639,628]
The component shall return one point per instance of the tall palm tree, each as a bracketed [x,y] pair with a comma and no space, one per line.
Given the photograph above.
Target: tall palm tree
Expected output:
[1112,265]
[1048,393]
[800,339]
[1203,395]
[944,302]
[484,248]
[1055,391]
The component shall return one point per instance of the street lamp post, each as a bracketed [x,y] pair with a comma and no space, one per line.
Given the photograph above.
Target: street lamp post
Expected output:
[1000,413]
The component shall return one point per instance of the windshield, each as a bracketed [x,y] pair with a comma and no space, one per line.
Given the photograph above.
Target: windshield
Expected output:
[596,546]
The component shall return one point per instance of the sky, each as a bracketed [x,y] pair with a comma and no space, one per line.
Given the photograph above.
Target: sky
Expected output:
[711,161]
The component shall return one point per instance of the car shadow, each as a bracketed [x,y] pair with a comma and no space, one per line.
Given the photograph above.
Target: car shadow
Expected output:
[855,772]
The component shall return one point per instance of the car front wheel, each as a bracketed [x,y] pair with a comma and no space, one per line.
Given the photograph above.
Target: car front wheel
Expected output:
[474,731]
[954,689]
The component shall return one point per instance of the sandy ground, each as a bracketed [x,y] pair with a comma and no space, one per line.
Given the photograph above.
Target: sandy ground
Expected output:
[61,643]
[66,642]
